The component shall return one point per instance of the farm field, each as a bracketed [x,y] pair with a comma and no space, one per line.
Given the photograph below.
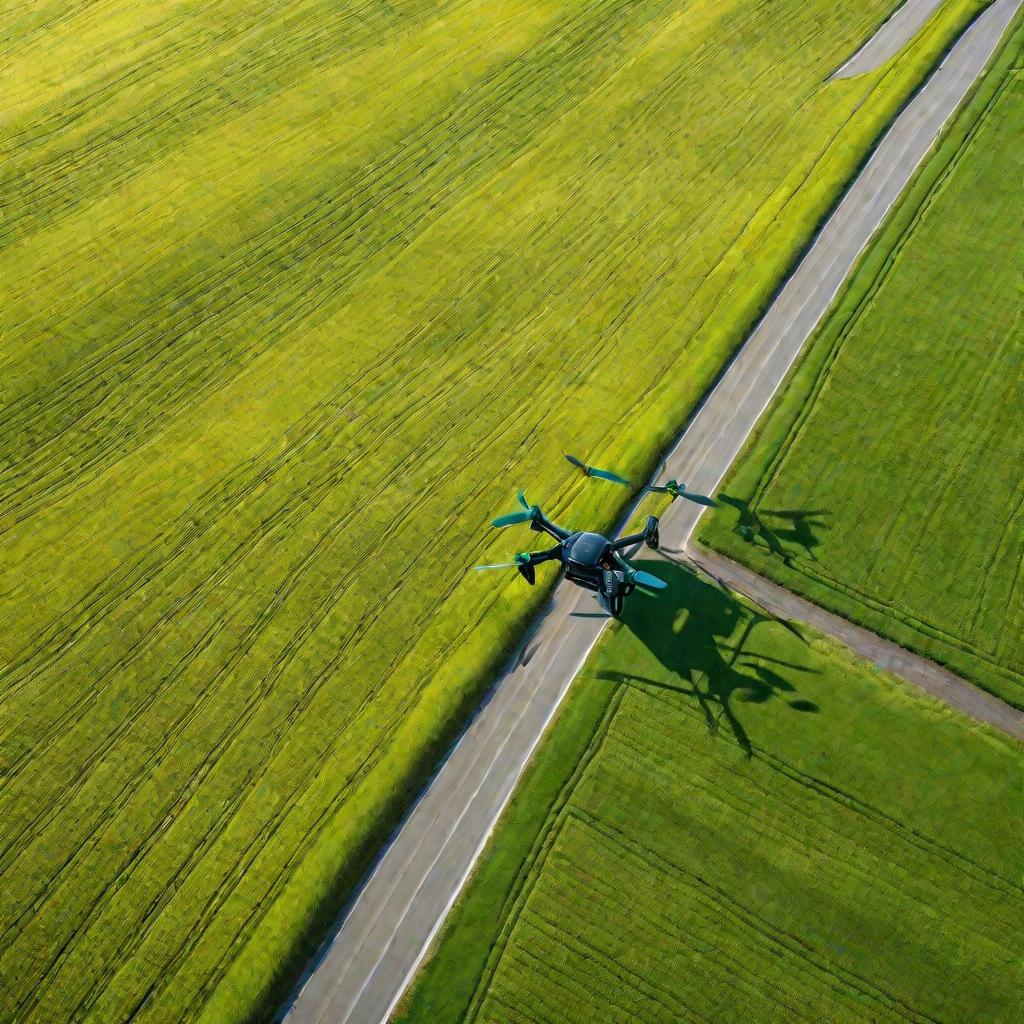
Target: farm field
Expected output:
[734,820]
[295,298]
[886,483]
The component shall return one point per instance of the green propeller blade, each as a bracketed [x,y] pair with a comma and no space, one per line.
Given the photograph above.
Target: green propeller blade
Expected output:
[512,518]
[678,490]
[528,513]
[646,580]
[601,474]
[521,558]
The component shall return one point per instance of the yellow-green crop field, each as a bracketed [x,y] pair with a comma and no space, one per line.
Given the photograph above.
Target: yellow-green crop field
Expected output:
[733,820]
[295,296]
[888,482]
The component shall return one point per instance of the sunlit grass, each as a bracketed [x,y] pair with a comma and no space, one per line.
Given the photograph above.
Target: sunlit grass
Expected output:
[295,297]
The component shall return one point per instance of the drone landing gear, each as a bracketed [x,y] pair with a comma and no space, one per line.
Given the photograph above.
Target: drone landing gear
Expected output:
[653,538]
[527,571]
[612,593]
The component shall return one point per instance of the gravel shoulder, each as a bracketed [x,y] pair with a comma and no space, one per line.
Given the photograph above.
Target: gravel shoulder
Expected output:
[925,675]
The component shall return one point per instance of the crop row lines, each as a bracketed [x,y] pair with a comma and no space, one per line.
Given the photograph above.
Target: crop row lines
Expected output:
[884,822]
[35,189]
[634,929]
[748,919]
[870,865]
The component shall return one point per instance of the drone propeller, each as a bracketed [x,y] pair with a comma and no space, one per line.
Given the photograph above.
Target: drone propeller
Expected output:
[678,490]
[601,474]
[645,582]
[648,583]
[529,512]
[520,558]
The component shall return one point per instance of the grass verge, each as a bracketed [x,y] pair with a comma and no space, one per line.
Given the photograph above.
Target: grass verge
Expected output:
[733,820]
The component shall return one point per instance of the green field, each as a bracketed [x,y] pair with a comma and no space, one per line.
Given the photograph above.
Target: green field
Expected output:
[887,482]
[296,295]
[733,821]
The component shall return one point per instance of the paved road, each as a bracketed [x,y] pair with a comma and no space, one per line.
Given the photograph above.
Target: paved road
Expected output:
[890,38]
[364,968]
[926,675]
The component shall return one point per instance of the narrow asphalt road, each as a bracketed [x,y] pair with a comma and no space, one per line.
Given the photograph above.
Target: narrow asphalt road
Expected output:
[364,967]
[893,35]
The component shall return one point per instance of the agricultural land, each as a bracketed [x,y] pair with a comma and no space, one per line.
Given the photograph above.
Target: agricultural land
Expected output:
[295,296]
[732,819]
[886,483]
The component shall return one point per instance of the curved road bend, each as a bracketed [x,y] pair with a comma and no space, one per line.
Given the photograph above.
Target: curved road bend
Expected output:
[364,967]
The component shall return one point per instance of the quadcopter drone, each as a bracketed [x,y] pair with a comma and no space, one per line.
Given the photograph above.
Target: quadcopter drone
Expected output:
[591,560]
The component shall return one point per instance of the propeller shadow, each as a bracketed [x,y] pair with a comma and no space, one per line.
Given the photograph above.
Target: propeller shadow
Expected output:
[779,531]
[699,634]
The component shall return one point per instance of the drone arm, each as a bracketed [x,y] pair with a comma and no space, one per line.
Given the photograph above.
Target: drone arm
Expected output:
[526,567]
[649,536]
[627,542]
[542,524]
[536,557]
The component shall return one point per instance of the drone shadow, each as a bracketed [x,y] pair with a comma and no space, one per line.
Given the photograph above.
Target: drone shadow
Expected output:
[699,634]
[779,531]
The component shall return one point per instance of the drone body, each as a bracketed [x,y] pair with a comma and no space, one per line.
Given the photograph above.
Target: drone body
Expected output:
[591,560]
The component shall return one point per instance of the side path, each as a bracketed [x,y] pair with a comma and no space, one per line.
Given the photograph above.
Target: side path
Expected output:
[890,38]
[363,969]
[918,671]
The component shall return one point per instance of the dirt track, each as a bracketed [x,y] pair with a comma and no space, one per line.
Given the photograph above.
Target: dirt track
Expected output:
[924,674]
